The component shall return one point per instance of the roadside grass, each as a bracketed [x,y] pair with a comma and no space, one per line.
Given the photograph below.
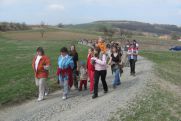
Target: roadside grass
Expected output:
[16,74]
[158,103]
[168,65]
[155,105]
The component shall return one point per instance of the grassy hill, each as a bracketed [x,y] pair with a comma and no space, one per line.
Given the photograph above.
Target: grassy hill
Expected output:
[159,29]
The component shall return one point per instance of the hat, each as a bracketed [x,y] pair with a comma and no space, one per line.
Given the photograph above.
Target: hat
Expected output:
[82,63]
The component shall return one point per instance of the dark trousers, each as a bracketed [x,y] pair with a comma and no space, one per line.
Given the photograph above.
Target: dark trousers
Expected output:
[132,66]
[97,75]
[83,82]
[75,80]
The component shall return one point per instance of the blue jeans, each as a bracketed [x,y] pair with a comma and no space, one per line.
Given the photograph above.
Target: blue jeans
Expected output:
[117,80]
[64,83]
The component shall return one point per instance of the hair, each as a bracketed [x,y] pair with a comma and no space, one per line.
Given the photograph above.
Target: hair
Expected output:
[131,44]
[92,49]
[108,46]
[134,45]
[40,49]
[82,63]
[101,38]
[98,50]
[74,51]
[64,50]
[116,47]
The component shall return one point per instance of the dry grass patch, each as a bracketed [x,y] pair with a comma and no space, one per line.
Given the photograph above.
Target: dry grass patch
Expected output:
[50,35]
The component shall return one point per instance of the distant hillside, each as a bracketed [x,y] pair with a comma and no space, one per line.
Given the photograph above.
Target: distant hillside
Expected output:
[159,29]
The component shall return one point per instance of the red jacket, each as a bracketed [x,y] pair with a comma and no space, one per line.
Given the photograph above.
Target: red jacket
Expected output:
[41,72]
[90,66]
[66,71]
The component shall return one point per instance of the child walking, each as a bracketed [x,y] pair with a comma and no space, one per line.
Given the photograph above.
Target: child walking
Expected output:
[83,76]
[90,69]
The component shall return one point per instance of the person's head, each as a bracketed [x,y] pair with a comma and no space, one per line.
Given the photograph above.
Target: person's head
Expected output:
[100,40]
[114,49]
[108,46]
[97,52]
[40,51]
[91,50]
[72,48]
[134,45]
[134,41]
[82,63]
[131,45]
[64,51]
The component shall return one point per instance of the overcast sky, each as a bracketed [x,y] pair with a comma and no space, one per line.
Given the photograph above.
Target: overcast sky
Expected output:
[83,11]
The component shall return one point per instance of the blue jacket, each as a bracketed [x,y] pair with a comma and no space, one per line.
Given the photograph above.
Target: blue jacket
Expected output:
[65,62]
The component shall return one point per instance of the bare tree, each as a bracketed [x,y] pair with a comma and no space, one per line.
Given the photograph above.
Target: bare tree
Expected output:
[42,31]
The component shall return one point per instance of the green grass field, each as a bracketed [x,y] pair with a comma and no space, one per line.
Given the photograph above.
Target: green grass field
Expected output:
[17,78]
[168,65]
[161,101]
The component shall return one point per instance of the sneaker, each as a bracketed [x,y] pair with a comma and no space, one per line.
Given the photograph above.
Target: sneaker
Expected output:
[64,97]
[46,93]
[118,84]
[114,86]
[39,99]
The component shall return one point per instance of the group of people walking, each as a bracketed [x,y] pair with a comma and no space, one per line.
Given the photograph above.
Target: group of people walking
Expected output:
[73,72]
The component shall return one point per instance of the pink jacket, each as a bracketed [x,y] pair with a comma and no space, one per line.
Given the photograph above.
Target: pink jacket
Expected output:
[100,64]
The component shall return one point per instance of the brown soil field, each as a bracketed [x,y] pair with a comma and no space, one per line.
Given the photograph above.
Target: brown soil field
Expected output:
[53,35]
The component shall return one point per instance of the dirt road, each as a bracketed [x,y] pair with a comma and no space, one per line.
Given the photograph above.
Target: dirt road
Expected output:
[80,106]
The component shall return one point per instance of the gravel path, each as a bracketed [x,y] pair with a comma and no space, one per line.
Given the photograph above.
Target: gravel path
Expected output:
[80,106]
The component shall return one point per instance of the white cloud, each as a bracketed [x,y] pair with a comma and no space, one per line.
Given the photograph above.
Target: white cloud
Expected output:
[56,7]
[6,2]
[179,12]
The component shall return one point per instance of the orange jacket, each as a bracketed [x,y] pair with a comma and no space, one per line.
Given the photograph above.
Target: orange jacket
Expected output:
[102,46]
[41,72]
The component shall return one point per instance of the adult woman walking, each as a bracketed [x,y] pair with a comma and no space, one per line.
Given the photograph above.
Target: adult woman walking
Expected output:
[65,66]
[41,65]
[90,69]
[75,57]
[99,62]
[115,60]
[132,57]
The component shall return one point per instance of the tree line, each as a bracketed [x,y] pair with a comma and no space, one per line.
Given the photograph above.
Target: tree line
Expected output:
[10,26]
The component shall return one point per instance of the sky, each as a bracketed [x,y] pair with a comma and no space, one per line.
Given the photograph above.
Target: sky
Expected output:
[84,11]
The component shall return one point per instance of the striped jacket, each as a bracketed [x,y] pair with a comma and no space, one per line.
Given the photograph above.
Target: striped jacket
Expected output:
[132,53]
